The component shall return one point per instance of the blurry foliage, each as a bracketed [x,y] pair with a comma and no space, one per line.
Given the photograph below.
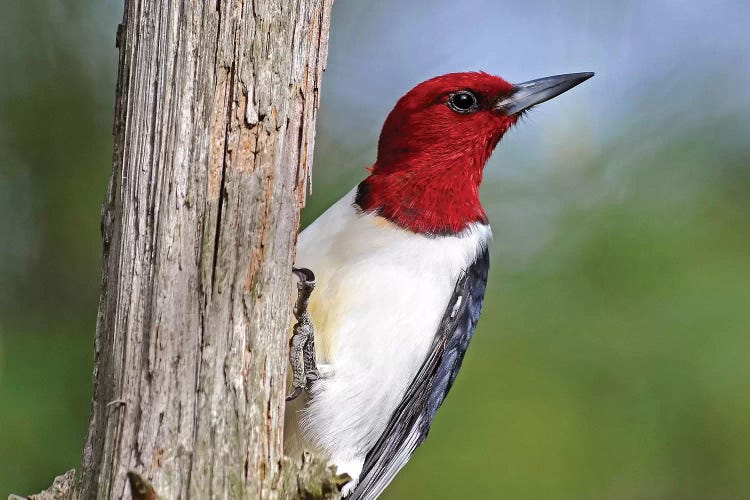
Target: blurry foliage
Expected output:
[612,357]
[58,67]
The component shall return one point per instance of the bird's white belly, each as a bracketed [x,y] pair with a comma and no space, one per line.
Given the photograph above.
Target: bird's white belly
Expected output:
[381,293]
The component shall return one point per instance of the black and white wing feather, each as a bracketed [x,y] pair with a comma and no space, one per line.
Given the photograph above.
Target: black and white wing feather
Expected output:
[410,423]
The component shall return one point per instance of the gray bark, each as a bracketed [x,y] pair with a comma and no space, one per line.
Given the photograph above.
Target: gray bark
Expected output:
[213,139]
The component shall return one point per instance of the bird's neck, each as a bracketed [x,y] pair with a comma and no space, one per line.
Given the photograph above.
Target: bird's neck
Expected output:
[428,199]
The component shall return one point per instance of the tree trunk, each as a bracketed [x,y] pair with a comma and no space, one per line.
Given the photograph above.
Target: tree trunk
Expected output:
[213,139]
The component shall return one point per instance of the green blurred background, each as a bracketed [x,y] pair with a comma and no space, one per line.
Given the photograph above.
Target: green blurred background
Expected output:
[612,360]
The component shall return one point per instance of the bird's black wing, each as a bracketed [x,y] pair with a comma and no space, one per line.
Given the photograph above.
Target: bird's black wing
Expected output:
[410,423]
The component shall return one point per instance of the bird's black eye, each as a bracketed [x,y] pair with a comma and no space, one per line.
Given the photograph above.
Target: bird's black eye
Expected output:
[463,101]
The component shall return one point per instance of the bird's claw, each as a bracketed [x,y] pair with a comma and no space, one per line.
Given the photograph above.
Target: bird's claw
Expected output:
[302,344]
[295,394]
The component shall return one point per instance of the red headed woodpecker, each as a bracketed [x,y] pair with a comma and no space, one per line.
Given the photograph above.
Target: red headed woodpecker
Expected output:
[401,265]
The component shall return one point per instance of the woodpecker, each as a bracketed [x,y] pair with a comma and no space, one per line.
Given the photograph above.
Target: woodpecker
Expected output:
[400,266]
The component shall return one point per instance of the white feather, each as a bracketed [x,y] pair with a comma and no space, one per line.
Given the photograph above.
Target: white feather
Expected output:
[380,295]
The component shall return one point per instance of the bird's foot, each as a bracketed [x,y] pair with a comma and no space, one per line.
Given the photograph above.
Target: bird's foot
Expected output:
[302,344]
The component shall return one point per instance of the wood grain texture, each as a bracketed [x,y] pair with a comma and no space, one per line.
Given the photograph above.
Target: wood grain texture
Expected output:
[213,140]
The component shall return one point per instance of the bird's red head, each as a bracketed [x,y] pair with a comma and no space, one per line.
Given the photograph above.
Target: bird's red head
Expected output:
[434,145]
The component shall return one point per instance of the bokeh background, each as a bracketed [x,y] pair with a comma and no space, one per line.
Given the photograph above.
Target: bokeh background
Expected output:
[613,357]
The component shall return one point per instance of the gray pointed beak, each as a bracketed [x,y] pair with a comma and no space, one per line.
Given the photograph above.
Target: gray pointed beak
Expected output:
[527,94]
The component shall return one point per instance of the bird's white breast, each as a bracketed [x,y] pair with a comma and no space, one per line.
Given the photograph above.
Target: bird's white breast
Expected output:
[381,293]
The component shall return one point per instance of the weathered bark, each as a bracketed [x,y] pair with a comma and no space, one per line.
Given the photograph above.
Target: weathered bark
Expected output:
[61,489]
[213,138]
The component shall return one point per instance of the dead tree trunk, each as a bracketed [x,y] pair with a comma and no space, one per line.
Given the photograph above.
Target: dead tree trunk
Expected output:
[213,139]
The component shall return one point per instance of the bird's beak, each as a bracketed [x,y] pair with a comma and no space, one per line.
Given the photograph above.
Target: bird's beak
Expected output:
[527,94]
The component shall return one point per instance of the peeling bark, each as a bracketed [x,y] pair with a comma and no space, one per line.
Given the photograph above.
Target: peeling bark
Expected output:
[213,138]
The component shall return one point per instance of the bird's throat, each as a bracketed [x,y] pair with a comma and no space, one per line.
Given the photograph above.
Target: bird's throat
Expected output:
[439,201]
